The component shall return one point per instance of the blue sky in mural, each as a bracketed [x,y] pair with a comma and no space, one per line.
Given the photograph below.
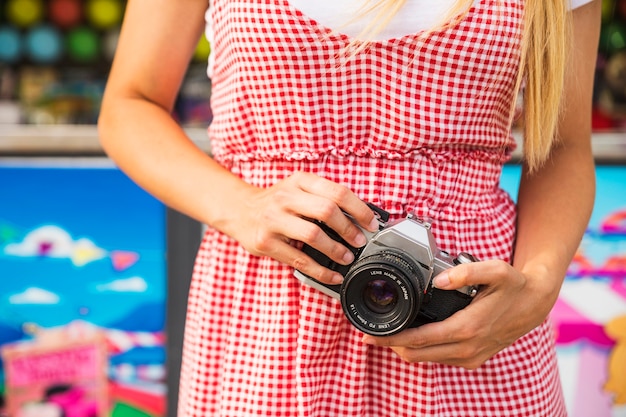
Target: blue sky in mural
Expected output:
[610,192]
[610,201]
[79,244]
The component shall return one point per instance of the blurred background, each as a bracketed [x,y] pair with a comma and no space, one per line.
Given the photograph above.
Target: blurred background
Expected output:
[93,271]
[55,56]
[92,298]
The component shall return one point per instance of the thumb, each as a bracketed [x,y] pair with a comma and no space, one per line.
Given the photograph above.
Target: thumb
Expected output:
[470,274]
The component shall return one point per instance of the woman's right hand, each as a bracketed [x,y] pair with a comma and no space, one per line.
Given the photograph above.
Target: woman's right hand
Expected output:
[276,221]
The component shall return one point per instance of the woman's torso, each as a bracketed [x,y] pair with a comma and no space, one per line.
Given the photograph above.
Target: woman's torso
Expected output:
[413,124]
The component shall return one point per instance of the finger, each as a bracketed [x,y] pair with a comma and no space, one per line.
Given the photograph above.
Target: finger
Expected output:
[430,343]
[455,344]
[319,208]
[269,240]
[452,330]
[294,201]
[344,198]
[469,356]
[473,274]
[298,229]
[286,253]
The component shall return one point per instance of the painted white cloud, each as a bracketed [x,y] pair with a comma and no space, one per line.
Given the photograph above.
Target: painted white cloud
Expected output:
[54,242]
[134,284]
[594,299]
[34,295]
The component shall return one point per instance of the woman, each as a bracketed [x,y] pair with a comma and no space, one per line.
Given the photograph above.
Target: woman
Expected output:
[313,117]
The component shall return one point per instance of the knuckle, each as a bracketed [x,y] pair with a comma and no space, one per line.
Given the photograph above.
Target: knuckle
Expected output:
[463,333]
[299,262]
[339,192]
[460,273]
[502,268]
[337,251]
[470,330]
[319,274]
[280,198]
[333,253]
[262,242]
[350,231]
[311,233]
[473,364]
[326,210]
[405,355]
[324,275]
[298,176]
[467,353]
[347,229]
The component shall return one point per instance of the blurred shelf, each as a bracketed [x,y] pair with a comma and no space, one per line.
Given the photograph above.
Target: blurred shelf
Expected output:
[65,140]
[82,140]
[608,147]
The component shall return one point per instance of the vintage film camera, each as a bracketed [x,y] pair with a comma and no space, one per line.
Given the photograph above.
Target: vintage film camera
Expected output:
[388,287]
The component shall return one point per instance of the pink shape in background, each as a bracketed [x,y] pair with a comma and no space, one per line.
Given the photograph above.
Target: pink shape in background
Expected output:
[123,260]
[571,326]
[591,399]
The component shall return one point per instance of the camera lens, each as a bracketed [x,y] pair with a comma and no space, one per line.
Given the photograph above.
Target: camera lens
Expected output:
[382,293]
[380,296]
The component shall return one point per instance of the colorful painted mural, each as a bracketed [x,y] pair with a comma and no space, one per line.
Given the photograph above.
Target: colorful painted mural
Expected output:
[590,314]
[82,249]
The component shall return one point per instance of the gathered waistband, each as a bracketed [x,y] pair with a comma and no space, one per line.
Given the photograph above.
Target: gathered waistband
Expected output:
[491,155]
[444,185]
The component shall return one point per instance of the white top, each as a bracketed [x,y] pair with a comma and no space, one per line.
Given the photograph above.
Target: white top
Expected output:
[415,15]
[339,15]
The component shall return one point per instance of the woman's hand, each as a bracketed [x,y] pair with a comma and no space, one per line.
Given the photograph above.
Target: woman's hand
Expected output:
[508,305]
[276,221]
[554,205]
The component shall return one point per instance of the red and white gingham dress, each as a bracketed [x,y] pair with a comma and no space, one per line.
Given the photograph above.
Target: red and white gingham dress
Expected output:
[415,124]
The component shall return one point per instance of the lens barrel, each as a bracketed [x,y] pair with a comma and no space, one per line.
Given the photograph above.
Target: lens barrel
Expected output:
[382,293]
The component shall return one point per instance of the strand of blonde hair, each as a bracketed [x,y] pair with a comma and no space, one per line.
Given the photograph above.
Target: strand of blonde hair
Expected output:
[543,61]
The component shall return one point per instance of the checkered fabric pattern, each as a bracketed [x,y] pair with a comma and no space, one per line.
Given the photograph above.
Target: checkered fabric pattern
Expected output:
[415,124]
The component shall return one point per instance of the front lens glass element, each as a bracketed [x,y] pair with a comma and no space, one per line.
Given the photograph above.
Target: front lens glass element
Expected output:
[380,296]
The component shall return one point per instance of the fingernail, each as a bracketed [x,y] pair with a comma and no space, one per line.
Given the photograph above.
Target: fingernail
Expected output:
[441,281]
[360,240]
[373,226]
[336,279]
[348,257]
[368,340]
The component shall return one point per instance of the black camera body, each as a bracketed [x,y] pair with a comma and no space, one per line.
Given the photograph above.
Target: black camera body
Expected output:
[389,285]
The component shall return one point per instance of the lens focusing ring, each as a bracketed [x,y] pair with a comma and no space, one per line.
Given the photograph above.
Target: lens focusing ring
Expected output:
[397,274]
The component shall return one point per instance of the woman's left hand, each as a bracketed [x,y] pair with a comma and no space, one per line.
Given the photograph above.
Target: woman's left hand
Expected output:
[553,208]
[508,305]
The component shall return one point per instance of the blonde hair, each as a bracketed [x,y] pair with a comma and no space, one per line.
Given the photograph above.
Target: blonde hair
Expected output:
[544,55]
[542,64]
